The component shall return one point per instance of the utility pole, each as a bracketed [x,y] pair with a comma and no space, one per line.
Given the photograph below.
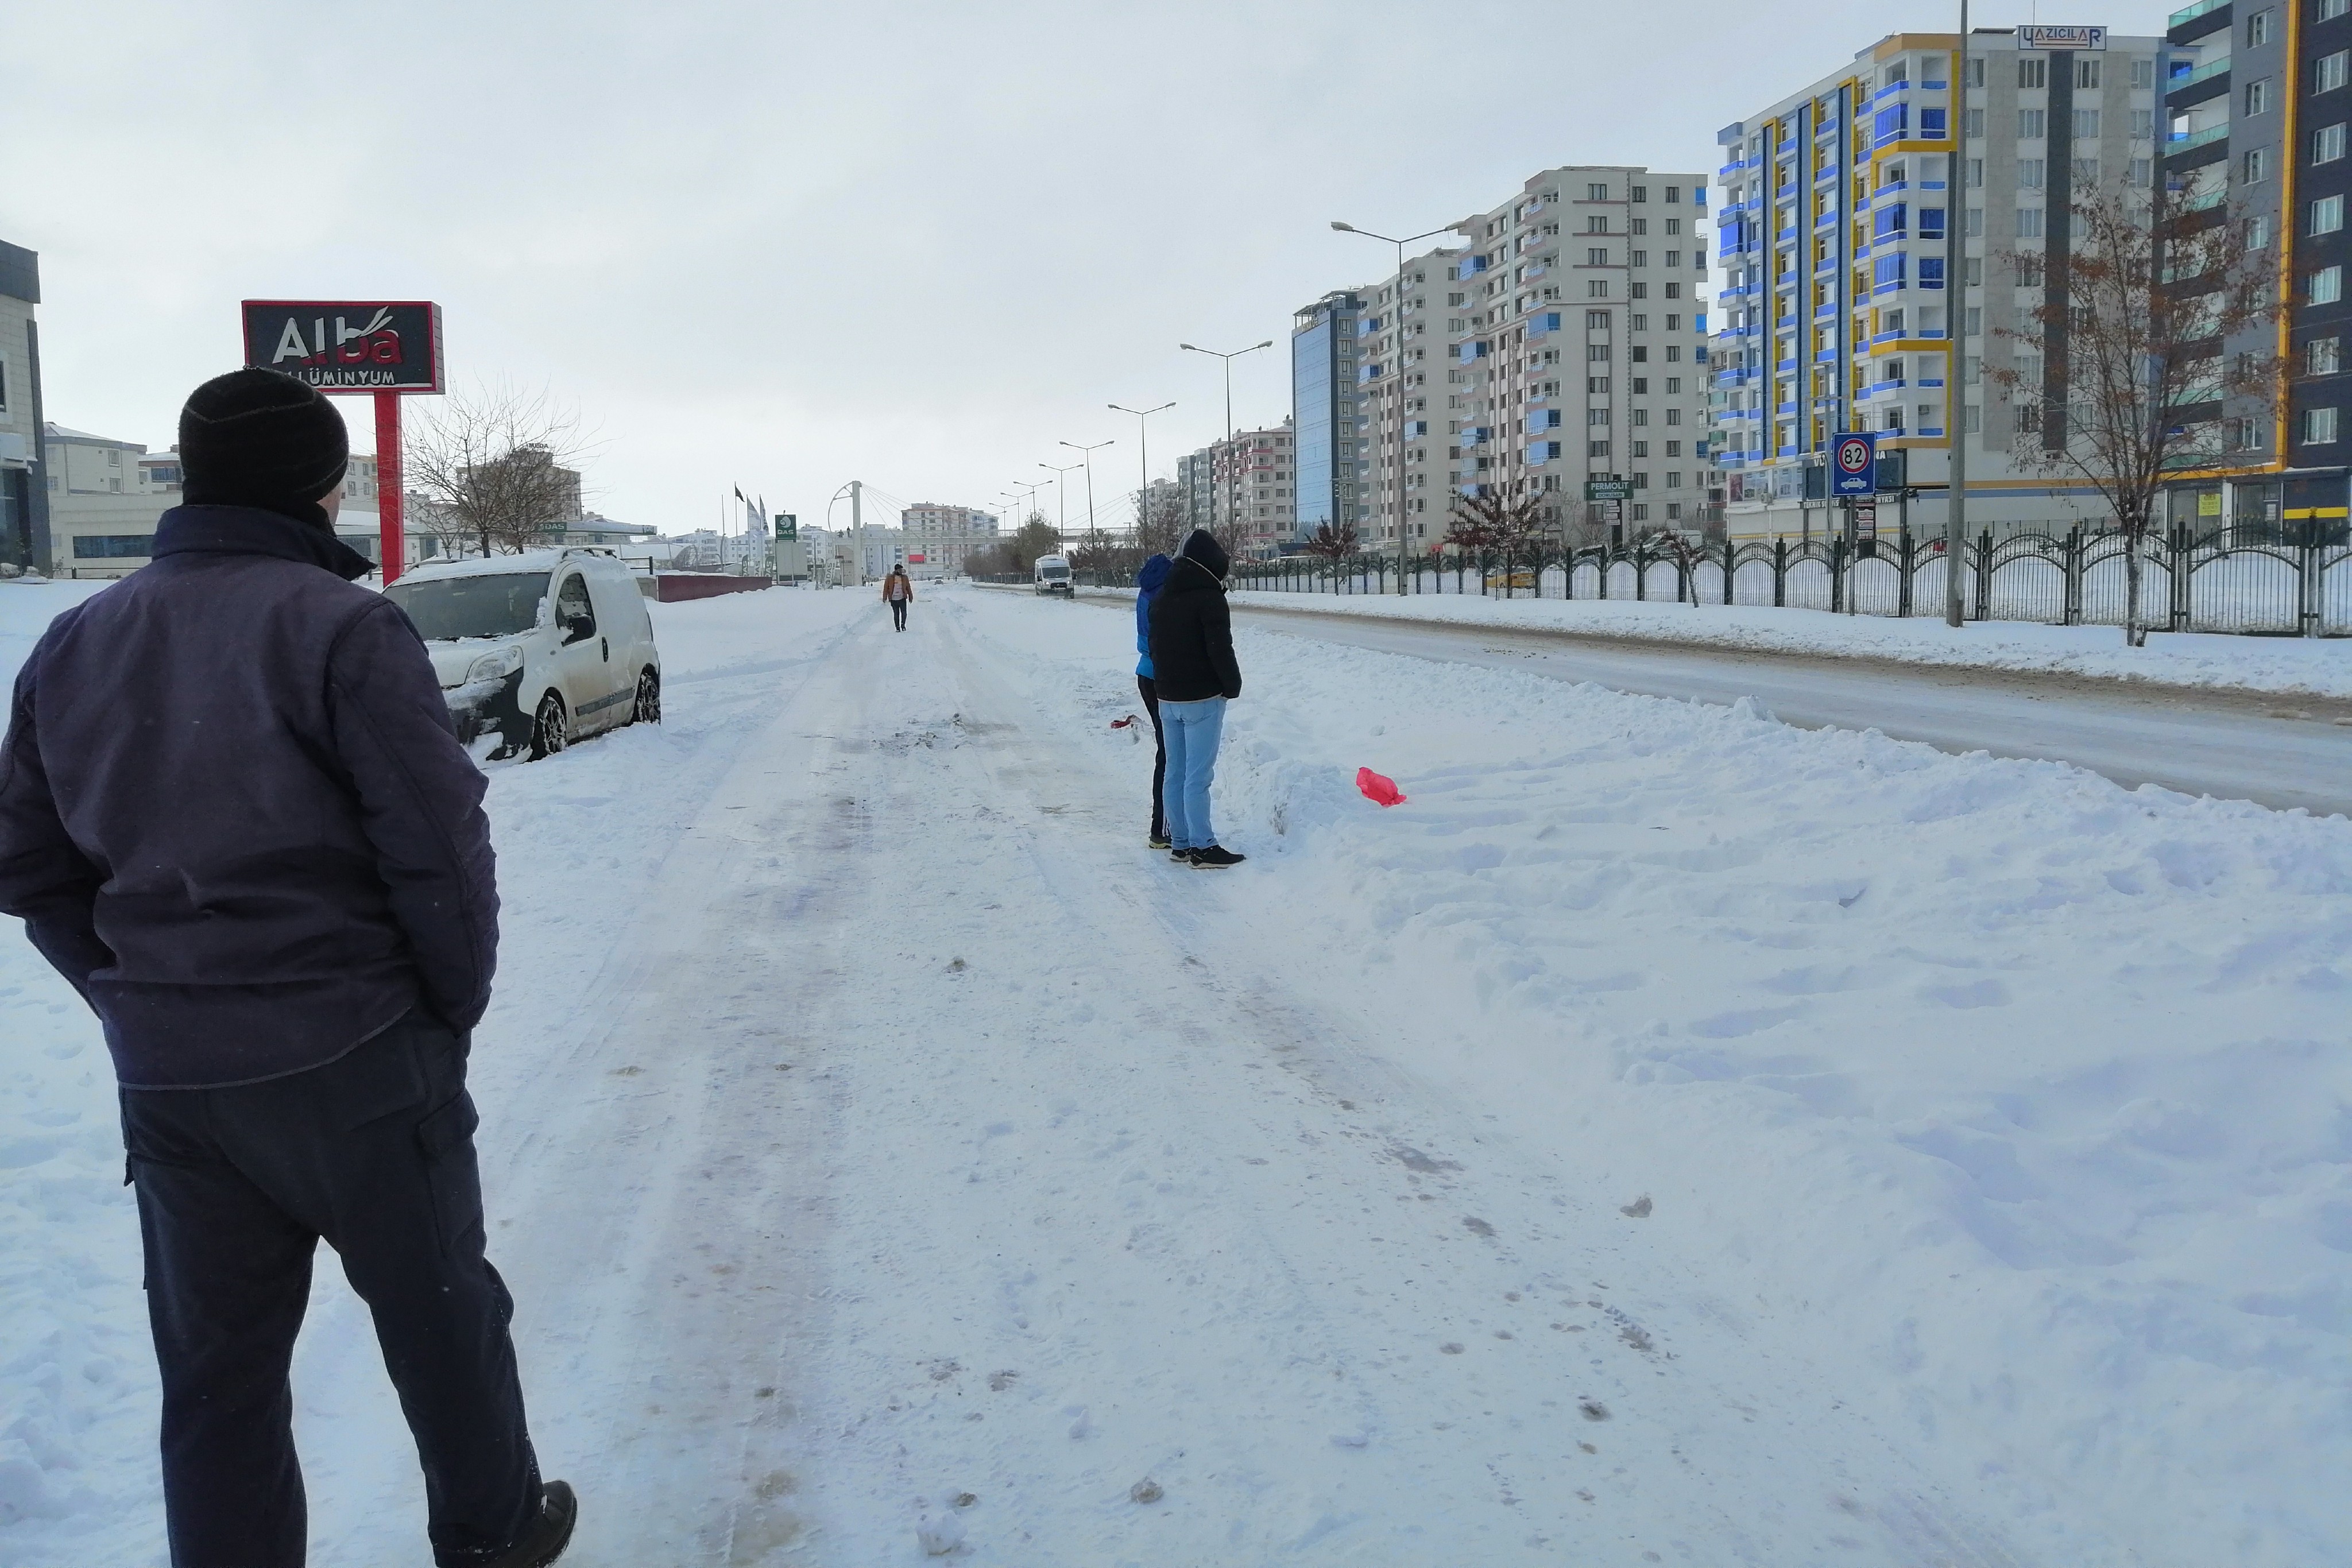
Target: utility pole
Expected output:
[1956,319]
[858,524]
[1087,457]
[1062,487]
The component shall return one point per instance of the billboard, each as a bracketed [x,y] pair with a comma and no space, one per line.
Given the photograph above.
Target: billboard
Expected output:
[344,345]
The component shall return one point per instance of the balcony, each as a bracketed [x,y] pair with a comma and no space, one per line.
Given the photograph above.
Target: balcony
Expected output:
[2180,143]
[2193,22]
[2208,80]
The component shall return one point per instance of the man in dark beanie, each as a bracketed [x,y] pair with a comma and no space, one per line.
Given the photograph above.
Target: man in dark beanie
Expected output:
[233,814]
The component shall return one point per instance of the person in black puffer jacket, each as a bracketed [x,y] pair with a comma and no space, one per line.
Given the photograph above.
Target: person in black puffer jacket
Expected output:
[1193,666]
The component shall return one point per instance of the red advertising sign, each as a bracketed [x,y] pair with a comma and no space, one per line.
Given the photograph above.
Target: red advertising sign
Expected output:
[347,348]
[344,345]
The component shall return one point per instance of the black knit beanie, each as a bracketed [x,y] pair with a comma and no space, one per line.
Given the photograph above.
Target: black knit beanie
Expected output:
[259,438]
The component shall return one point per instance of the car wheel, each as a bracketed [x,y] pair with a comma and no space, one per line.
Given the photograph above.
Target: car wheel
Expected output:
[648,708]
[549,727]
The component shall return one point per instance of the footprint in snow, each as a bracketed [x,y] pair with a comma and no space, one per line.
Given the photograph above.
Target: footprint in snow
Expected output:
[1637,1210]
[1593,1410]
[1477,1227]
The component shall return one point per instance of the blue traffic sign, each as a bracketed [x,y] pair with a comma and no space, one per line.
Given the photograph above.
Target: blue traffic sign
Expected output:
[1853,464]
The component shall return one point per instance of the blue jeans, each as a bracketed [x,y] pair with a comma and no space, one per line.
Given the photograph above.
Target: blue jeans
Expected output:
[1193,730]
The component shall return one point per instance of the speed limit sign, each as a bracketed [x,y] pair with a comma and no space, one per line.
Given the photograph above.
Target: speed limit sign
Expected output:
[1855,465]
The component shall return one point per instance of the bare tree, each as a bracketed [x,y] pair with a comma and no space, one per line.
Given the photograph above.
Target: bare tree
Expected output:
[1162,519]
[1333,543]
[1685,549]
[1495,522]
[2141,327]
[496,469]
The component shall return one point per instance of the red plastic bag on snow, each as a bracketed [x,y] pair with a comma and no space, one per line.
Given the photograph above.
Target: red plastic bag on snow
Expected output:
[1381,791]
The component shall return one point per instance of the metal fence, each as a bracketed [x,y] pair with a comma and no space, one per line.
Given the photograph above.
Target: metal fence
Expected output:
[2287,586]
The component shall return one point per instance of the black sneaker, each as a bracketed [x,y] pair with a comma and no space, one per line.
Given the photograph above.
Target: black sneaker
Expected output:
[1181,857]
[1215,858]
[542,1540]
[1158,841]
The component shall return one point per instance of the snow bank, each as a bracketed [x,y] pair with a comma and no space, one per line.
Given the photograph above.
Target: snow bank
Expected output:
[2318,666]
[2019,1102]
[576,836]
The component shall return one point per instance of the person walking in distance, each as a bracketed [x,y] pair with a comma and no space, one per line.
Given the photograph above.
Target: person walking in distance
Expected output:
[235,815]
[899,593]
[1146,589]
[1193,666]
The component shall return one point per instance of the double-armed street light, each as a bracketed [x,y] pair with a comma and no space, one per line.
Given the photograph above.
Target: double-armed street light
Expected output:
[1143,441]
[1062,488]
[1087,460]
[1228,357]
[1396,367]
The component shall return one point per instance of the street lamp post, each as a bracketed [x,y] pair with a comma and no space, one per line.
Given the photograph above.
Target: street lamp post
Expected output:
[1086,459]
[1143,441]
[1228,358]
[1396,367]
[1956,313]
[1062,488]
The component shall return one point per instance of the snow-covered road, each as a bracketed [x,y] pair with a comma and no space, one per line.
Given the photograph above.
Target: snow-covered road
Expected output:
[2285,751]
[1672,1137]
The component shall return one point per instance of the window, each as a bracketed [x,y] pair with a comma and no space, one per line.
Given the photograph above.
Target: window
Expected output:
[1973,419]
[2328,10]
[2318,426]
[1674,449]
[1976,174]
[2324,356]
[1596,193]
[1973,323]
[2031,124]
[1596,416]
[2032,71]
[2086,125]
[1972,124]
[2328,72]
[1974,223]
[2087,70]
[1596,258]
[2028,223]
[2143,124]
[2327,142]
[2258,98]
[2258,28]
[2256,165]
[1640,193]
[1975,76]
[2258,232]
[572,607]
[2144,72]
[2327,286]
[2087,171]
[1596,449]
[1596,383]
[1642,323]
[2139,172]
[1597,223]
[2030,174]
[1641,416]
[1596,288]
[2327,214]
[112,547]
[1596,320]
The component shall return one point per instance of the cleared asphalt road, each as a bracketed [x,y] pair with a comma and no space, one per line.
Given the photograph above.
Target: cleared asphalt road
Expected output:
[2279,751]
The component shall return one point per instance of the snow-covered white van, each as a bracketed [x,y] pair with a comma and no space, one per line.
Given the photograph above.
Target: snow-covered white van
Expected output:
[1053,574]
[538,649]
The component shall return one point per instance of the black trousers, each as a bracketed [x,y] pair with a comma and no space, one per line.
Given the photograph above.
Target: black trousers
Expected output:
[374,1153]
[1150,689]
[899,613]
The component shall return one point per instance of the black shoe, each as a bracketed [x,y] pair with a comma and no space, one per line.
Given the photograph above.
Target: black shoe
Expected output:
[1158,841]
[543,1540]
[1181,857]
[1215,858]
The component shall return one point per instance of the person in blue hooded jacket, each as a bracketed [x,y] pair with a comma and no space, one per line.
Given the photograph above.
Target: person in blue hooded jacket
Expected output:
[1146,589]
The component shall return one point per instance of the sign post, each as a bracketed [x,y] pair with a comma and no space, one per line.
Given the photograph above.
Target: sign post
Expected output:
[1610,490]
[1853,474]
[386,349]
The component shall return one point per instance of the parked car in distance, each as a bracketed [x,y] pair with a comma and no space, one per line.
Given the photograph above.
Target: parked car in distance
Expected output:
[540,648]
[1053,574]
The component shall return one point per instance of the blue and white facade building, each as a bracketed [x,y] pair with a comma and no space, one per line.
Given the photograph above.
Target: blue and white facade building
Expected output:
[1835,311]
[1323,400]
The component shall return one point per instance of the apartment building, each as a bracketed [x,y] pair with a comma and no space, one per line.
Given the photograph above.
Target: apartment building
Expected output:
[24,495]
[1323,398]
[1402,340]
[1245,488]
[1576,326]
[2257,98]
[939,538]
[1834,312]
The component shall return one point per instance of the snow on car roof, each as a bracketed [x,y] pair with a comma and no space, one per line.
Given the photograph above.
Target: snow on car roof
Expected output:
[499,565]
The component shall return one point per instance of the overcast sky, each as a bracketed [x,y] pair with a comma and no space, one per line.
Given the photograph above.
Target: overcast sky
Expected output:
[785,245]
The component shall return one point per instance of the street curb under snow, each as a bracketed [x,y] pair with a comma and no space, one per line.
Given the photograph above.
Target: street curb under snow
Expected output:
[2199,663]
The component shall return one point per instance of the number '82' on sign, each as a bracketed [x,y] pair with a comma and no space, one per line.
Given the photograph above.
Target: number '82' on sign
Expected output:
[1854,471]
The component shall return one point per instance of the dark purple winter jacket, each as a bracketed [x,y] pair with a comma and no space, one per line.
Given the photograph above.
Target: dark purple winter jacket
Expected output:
[233,812]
